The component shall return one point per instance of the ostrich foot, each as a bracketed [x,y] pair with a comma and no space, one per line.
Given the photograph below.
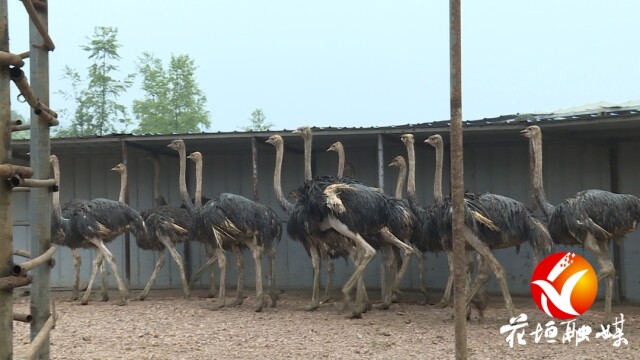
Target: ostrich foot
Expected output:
[212,294]
[140,297]
[311,307]
[74,296]
[394,297]
[238,301]
[356,313]
[121,302]
[84,302]
[383,306]
[441,305]
[105,297]
[326,299]
[274,299]
[260,304]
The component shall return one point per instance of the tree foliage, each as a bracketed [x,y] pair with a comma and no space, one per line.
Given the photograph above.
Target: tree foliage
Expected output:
[98,110]
[173,101]
[258,121]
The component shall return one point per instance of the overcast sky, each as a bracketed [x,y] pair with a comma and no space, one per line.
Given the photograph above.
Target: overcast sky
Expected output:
[362,62]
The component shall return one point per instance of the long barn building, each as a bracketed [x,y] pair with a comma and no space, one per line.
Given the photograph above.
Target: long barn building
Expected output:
[582,150]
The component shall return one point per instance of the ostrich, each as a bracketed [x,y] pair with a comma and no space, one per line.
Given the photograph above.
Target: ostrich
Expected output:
[516,223]
[357,212]
[319,245]
[58,237]
[95,222]
[270,242]
[166,226]
[437,222]
[228,217]
[417,237]
[390,254]
[591,218]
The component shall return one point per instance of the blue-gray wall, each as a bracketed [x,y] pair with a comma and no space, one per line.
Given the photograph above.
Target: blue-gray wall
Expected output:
[501,168]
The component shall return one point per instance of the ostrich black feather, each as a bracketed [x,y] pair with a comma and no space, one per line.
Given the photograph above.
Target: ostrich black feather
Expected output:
[165,220]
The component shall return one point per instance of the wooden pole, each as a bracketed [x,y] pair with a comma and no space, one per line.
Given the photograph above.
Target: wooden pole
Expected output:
[384,274]
[457,180]
[6,230]
[40,198]
[254,165]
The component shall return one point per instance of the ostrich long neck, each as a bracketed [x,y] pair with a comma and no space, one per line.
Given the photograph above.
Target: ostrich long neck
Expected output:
[277,181]
[340,162]
[56,194]
[538,186]
[123,185]
[411,183]
[157,197]
[184,193]
[198,182]
[437,180]
[308,141]
[402,178]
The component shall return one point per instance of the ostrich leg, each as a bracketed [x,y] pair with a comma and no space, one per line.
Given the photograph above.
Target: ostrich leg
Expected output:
[104,280]
[329,285]
[315,293]
[94,270]
[222,263]
[447,290]
[257,250]
[388,261]
[498,270]
[154,274]
[367,253]
[178,259]
[423,287]
[240,274]
[211,259]
[271,253]
[111,260]
[606,271]
[77,261]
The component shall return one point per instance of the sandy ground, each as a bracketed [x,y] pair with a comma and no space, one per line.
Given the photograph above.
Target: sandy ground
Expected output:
[168,327]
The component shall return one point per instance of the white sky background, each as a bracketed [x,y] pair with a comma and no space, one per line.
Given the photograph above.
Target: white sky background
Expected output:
[361,62]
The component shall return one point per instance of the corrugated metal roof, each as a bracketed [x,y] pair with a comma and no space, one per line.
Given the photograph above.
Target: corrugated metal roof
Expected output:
[597,112]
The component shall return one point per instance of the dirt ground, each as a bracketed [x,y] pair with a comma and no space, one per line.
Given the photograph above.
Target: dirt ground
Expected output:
[168,327]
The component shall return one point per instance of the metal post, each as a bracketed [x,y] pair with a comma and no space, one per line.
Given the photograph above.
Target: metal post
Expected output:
[6,230]
[40,198]
[457,180]
[254,163]
[617,245]
[127,248]
[384,278]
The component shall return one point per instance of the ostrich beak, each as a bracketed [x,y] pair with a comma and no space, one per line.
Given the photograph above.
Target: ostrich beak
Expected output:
[190,156]
[391,164]
[115,168]
[524,132]
[295,131]
[329,149]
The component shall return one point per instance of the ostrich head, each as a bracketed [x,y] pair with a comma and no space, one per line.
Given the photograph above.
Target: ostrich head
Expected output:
[531,131]
[336,146]
[177,145]
[398,161]
[407,139]
[120,168]
[303,131]
[434,140]
[195,156]
[274,140]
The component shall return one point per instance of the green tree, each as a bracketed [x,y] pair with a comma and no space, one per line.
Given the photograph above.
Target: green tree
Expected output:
[173,101]
[258,121]
[97,109]
[20,134]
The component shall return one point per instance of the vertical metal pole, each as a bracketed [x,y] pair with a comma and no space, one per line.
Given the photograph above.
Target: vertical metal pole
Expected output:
[6,229]
[254,162]
[127,240]
[457,180]
[384,278]
[617,245]
[40,198]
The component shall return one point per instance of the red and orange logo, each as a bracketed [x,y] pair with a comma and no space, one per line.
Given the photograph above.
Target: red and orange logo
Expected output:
[564,285]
